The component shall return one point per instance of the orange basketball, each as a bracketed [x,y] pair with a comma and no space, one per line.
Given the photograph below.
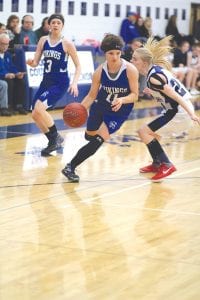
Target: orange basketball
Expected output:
[74,114]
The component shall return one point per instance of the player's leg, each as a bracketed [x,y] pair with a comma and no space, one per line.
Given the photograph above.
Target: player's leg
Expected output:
[47,97]
[161,164]
[95,140]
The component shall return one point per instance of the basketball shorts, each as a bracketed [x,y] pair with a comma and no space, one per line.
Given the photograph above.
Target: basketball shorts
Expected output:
[177,120]
[113,120]
[49,94]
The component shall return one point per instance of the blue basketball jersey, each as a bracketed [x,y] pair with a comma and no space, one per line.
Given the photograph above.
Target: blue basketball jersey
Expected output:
[55,80]
[101,109]
[112,88]
[55,62]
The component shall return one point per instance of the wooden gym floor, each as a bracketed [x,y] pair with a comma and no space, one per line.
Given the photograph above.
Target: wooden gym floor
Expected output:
[115,235]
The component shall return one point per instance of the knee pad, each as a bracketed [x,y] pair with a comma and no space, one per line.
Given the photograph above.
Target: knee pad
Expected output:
[97,138]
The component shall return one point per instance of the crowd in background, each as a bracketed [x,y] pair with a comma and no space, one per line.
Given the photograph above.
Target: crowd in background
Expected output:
[134,30]
[12,83]
[185,58]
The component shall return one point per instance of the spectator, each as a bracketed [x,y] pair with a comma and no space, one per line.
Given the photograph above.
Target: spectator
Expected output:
[14,78]
[139,23]
[127,55]
[4,99]
[26,36]
[43,29]
[172,29]
[2,28]
[144,27]
[13,29]
[181,61]
[197,30]
[193,60]
[128,30]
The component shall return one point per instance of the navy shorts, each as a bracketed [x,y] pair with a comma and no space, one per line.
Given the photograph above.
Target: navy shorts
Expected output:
[50,93]
[163,119]
[113,120]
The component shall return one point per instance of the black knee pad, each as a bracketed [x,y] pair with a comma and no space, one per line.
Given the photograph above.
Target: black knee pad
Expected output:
[97,138]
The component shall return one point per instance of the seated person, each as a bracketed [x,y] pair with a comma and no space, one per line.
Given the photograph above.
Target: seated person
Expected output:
[4,99]
[13,77]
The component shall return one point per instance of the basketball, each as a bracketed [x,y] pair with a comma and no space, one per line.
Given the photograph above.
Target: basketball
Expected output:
[74,114]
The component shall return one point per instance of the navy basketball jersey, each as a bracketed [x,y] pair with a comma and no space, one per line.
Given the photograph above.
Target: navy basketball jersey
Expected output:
[55,78]
[101,109]
[55,62]
[112,88]
[177,86]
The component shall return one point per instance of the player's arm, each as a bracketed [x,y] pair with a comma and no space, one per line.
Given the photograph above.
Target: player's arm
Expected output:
[38,53]
[160,84]
[92,94]
[71,50]
[132,75]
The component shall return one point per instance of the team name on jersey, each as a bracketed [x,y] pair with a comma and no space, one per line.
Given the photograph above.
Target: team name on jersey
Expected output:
[52,53]
[114,90]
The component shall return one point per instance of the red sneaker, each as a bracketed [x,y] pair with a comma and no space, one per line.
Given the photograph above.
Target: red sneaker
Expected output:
[163,172]
[150,169]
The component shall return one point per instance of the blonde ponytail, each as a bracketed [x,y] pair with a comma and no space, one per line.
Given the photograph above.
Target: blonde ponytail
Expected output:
[157,52]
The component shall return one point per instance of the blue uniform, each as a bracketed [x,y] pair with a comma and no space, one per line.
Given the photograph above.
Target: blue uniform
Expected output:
[170,106]
[101,109]
[55,80]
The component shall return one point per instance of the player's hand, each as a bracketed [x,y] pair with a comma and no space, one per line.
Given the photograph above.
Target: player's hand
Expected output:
[31,63]
[147,91]
[195,118]
[116,104]
[73,90]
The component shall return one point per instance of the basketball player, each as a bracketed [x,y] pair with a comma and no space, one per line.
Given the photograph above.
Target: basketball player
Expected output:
[151,61]
[55,83]
[111,97]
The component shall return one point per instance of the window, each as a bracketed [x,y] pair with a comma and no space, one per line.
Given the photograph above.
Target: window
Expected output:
[1,5]
[58,6]
[83,8]
[15,6]
[128,9]
[175,11]
[107,10]
[166,13]
[95,9]
[138,10]
[117,10]
[183,14]
[71,8]
[157,12]
[148,11]
[44,9]
[29,6]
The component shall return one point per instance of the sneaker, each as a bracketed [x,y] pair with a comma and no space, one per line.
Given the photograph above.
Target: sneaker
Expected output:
[164,171]
[150,169]
[57,144]
[194,92]
[70,174]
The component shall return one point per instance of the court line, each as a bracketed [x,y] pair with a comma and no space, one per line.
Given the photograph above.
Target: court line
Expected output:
[92,199]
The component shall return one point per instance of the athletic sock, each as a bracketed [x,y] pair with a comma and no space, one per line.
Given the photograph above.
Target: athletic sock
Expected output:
[52,133]
[86,151]
[157,153]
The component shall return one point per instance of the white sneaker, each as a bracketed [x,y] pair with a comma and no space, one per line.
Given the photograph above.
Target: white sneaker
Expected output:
[194,92]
